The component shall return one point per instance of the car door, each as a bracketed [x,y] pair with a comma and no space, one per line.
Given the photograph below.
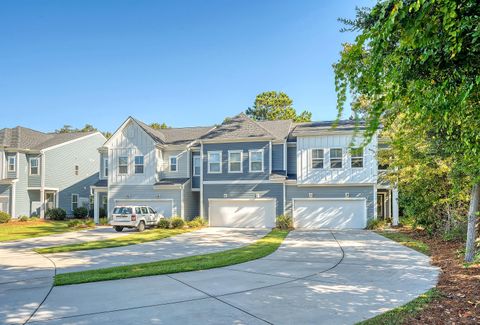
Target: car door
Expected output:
[146,215]
[153,214]
[138,212]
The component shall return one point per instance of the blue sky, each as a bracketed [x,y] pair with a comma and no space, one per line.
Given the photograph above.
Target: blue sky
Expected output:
[185,63]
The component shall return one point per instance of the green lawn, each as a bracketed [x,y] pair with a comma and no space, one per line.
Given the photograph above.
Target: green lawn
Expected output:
[133,239]
[406,241]
[400,314]
[16,230]
[261,248]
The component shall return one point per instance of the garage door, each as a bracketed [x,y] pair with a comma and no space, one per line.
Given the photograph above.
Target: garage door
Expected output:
[242,213]
[4,204]
[329,213]
[163,207]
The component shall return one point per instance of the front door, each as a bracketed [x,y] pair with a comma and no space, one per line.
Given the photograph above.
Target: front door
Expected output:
[49,200]
[381,206]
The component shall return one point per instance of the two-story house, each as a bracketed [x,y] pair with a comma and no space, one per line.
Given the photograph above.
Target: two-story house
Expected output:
[39,171]
[244,173]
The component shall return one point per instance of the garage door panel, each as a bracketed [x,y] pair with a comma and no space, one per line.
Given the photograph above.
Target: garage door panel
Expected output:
[242,213]
[163,208]
[335,214]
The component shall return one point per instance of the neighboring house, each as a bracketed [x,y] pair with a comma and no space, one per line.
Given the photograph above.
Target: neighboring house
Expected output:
[39,171]
[244,173]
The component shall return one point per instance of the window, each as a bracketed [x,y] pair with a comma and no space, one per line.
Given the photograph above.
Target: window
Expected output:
[12,163]
[336,158]
[214,162]
[138,210]
[173,163]
[104,200]
[74,201]
[77,169]
[317,158]
[122,210]
[235,161]
[123,165]
[256,161]
[105,167]
[151,210]
[144,210]
[357,157]
[34,166]
[138,164]
[196,166]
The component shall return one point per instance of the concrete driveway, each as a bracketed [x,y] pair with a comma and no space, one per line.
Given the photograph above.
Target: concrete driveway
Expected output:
[315,277]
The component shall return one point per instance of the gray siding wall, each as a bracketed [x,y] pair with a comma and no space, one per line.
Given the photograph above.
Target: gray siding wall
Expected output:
[191,202]
[277,157]
[183,164]
[5,197]
[368,192]
[245,175]
[34,180]
[143,192]
[265,190]
[10,174]
[22,198]
[292,160]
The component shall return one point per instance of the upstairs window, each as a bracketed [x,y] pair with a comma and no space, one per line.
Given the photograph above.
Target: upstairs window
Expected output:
[336,158]
[196,166]
[173,163]
[214,162]
[256,161]
[105,167]
[34,162]
[357,157]
[123,165]
[74,201]
[76,170]
[317,158]
[235,161]
[12,163]
[138,164]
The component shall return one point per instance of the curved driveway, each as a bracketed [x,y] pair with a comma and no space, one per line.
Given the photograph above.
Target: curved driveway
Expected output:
[315,277]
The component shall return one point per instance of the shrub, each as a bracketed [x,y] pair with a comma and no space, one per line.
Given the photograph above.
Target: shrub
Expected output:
[80,212]
[103,221]
[56,214]
[284,222]
[34,218]
[177,222]
[375,224]
[89,222]
[164,223]
[4,217]
[197,222]
[23,218]
[74,223]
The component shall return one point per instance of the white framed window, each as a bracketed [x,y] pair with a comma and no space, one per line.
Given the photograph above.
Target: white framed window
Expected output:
[34,166]
[356,158]
[139,166]
[336,157]
[12,163]
[104,200]
[123,165]
[76,170]
[173,163]
[235,161]
[214,162]
[256,160]
[196,166]
[105,167]
[74,201]
[318,158]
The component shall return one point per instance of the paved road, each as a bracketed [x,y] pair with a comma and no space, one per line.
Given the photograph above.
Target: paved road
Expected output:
[315,277]
[26,277]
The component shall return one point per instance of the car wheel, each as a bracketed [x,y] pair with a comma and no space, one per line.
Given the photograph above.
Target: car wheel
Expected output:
[118,228]
[141,226]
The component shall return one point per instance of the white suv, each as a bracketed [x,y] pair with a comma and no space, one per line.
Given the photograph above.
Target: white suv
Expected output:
[133,216]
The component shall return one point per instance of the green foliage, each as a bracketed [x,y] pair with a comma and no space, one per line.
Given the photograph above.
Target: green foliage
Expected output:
[69,129]
[164,223]
[77,223]
[177,222]
[373,224]
[272,105]
[74,223]
[197,222]
[80,212]
[56,214]
[103,221]
[4,217]
[284,222]
[23,218]
[158,126]
[34,218]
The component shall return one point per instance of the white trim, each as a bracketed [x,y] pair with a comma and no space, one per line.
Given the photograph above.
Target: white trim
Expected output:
[243,199]
[71,200]
[105,167]
[182,207]
[330,158]
[167,186]
[118,169]
[285,152]
[201,179]
[196,157]
[250,160]
[350,156]
[36,188]
[263,181]
[14,164]
[270,157]
[331,184]
[74,140]
[135,165]
[208,161]
[310,161]
[170,164]
[30,166]
[238,140]
[241,161]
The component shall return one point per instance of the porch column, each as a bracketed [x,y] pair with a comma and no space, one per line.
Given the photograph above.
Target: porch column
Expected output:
[96,207]
[42,204]
[395,216]
[13,196]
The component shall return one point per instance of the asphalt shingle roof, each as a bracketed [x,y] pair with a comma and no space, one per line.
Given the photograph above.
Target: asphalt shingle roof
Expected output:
[342,125]
[172,181]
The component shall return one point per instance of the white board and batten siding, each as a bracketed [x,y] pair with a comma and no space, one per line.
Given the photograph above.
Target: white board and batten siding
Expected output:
[306,175]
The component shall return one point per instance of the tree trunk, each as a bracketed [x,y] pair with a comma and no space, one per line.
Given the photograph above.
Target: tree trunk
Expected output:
[472,223]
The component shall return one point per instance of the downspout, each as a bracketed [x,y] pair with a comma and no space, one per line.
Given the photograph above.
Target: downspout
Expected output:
[202,214]
[42,184]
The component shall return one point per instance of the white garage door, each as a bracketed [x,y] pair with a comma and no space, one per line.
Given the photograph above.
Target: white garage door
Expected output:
[242,213]
[329,213]
[4,204]
[163,207]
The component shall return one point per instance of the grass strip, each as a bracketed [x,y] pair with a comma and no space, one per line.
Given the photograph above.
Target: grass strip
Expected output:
[261,248]
[16,230]
[406,240]
[400,314]
[133,239]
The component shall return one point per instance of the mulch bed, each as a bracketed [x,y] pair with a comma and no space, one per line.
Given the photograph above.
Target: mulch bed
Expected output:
[459,286]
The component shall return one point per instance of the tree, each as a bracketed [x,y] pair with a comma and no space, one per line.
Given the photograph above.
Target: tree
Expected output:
[65,129]
[69,129]
[158,126]
[272,105]
[420,59]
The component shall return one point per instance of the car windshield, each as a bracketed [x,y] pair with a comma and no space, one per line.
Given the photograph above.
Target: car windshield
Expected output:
[122,210]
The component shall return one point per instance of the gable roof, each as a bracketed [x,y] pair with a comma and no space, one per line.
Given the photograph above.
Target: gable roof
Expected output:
[280,128]
[28,139]
[327,126]
[238,127]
